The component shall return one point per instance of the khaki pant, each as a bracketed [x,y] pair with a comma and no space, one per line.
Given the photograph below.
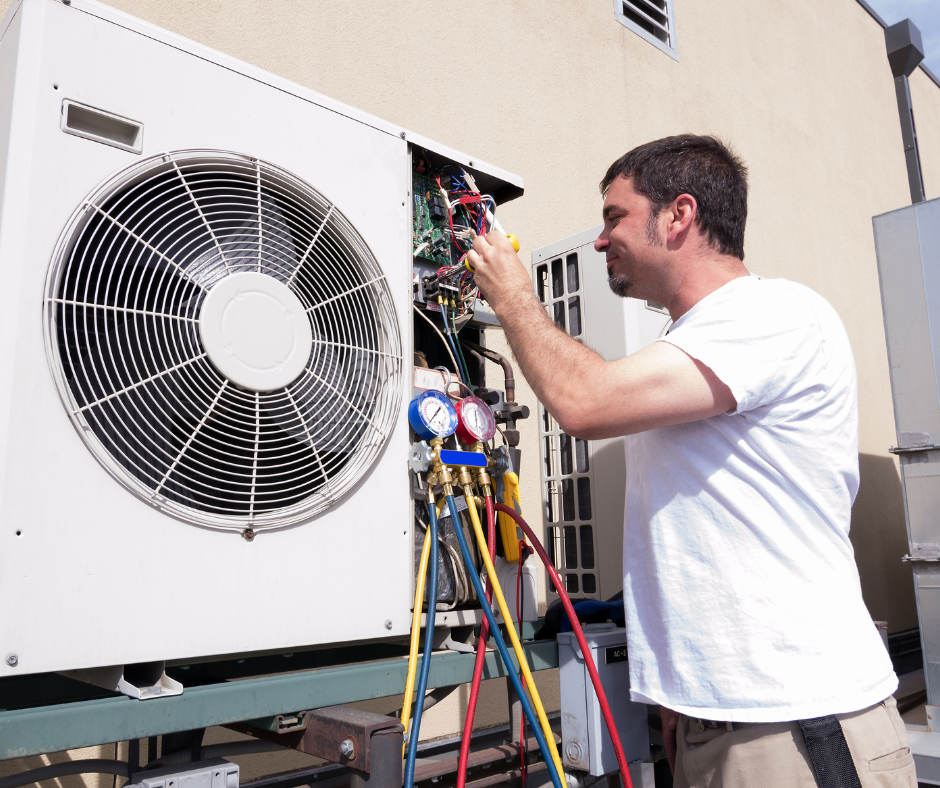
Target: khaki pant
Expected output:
[771,754]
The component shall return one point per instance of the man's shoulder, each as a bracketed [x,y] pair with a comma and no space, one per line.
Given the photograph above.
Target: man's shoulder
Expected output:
[777,300]
[766,301]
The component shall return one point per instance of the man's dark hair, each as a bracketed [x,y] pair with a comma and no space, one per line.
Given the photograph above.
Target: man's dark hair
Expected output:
[688,164]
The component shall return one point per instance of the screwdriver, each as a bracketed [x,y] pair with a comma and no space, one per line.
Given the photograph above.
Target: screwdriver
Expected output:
[495,225]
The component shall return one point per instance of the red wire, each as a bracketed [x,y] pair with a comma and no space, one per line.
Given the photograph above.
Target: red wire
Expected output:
[576,626]
[481,654]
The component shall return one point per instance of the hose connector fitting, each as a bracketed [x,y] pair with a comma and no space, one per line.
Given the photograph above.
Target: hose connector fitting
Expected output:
[482,476]
[441,472]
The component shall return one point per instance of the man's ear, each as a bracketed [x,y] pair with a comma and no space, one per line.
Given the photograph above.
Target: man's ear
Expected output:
[682,216]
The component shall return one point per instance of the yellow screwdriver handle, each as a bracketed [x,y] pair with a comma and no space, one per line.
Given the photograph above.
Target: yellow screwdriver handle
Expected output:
[515,247]
[507,526]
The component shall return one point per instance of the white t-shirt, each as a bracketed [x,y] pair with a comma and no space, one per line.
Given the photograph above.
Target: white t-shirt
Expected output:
[742,597]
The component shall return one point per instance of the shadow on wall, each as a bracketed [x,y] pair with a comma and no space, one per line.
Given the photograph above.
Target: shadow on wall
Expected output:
[879,537]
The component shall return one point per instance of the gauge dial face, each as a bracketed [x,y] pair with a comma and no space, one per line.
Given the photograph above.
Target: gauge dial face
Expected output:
[432,415]
[476,421]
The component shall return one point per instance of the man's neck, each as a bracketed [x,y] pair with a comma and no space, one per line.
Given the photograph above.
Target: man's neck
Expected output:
[700,277]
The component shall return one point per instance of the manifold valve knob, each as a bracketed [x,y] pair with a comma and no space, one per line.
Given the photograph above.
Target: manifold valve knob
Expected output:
[420,456]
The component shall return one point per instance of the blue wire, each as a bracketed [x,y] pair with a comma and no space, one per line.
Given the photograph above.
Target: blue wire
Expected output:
[428,645]
[501,644]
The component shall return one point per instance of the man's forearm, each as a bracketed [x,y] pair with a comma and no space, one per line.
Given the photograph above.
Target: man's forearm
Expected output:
[557,367]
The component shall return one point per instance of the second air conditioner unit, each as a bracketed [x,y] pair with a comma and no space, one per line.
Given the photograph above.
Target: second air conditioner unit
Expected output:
[583,482]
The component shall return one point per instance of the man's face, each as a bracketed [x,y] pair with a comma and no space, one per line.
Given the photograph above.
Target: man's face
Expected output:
[629,240]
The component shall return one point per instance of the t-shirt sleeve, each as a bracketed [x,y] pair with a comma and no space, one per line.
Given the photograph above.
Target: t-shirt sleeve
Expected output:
[761,346]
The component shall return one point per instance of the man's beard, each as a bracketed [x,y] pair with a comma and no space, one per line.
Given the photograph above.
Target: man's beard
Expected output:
[620,285]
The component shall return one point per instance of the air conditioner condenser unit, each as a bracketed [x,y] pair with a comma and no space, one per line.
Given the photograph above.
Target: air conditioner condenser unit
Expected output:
[205,361]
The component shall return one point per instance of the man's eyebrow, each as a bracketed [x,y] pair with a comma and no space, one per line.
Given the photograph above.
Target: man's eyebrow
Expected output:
[608,210]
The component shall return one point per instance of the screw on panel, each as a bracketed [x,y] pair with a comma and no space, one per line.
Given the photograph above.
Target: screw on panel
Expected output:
[388,624]
[347,748]
[249,534]
[402,135]
[13,660]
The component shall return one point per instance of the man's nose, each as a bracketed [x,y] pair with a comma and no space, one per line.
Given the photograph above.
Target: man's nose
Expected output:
[601,243]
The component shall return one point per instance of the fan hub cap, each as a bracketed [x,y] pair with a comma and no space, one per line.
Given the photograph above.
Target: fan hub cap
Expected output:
[255,331]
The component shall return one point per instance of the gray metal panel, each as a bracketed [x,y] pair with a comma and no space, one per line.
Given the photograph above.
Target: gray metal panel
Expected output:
[586,745]
[925,747]
[927,587]
[920,472]
[908,246]
[910,291]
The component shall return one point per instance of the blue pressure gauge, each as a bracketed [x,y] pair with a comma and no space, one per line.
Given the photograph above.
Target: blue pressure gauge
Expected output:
[432,415]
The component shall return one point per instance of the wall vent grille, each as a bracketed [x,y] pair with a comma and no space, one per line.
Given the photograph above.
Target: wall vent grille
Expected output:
[653,20]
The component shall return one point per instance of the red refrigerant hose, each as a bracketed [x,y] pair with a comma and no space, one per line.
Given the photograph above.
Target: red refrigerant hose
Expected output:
[579,634]
[481,654]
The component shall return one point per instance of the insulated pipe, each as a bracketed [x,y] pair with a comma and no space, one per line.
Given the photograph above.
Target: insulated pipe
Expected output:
[504,652]
[492,355]
[86,766]
[579,634]
[481,367]
[431,536]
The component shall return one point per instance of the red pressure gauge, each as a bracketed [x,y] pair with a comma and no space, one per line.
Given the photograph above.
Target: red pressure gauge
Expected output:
[475,421]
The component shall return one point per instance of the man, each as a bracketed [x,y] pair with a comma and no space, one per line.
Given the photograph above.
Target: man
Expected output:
[744,609]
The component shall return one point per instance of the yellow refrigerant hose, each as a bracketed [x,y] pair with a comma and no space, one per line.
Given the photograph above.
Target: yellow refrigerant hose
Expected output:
[516,645]
[415,638]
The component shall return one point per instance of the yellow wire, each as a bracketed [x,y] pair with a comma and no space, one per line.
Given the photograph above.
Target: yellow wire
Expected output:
[517,646]
[415,636]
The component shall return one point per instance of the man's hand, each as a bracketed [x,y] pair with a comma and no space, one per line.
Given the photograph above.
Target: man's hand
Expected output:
[500,274]
[670,720]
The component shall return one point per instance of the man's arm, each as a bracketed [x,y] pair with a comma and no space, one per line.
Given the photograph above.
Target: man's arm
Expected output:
[589,397]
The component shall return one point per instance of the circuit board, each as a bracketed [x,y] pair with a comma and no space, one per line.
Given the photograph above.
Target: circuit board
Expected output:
[430,216]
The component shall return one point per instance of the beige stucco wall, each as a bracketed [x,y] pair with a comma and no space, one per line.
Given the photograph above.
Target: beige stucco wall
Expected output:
[555,92]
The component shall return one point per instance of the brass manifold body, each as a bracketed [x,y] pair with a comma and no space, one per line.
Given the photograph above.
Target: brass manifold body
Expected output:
[442,474]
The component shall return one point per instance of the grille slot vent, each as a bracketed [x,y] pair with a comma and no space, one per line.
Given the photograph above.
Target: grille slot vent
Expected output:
[653,20]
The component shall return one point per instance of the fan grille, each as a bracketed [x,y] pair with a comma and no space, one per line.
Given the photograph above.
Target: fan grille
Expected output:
[124,293]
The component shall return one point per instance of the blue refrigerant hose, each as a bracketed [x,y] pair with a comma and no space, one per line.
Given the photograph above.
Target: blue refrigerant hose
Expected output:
[500,645]
[428,646]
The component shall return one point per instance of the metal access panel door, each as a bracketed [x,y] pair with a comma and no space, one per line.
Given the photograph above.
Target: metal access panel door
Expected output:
[583,482]
[907,243]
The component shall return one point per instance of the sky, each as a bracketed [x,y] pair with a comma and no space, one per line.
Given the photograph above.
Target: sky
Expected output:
[923,13]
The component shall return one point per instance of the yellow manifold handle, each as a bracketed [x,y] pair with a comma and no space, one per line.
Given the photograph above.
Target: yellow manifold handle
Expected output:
[507,527]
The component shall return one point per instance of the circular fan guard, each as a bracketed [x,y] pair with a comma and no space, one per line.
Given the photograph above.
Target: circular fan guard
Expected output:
[122,307]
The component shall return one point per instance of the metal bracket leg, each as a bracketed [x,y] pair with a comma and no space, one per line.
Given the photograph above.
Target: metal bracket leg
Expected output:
[385,746]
